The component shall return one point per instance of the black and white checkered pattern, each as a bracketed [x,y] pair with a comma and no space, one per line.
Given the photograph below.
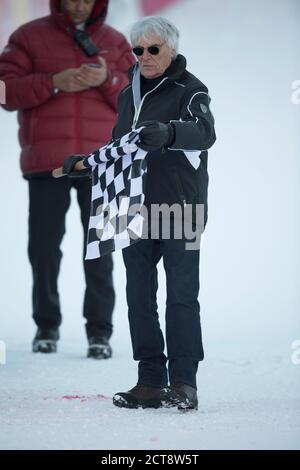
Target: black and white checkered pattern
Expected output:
[118,182]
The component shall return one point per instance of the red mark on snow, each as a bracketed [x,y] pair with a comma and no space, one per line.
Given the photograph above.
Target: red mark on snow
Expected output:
[102,397]
[72,397]
[84,398]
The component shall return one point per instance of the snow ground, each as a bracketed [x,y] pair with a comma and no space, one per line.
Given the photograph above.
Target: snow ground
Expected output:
[248,384]
[64,402]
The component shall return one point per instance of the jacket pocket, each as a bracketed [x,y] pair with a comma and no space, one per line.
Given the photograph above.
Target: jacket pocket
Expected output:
[179,187]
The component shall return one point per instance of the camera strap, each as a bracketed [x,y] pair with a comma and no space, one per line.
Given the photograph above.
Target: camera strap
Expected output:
[84,40]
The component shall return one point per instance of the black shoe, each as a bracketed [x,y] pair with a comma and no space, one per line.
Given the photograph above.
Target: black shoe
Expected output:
[99,348]
[143,396]
[45,341]
[188,395]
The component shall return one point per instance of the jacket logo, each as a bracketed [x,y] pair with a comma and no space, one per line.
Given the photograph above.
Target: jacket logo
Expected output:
[203,108]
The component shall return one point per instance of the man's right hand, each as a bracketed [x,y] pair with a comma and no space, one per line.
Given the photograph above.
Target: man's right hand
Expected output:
[67,81]
[74,168]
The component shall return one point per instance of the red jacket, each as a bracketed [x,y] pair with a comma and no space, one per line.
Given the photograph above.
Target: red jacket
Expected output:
[53,126]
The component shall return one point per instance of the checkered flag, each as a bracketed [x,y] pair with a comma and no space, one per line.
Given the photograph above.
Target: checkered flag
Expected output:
[118,193]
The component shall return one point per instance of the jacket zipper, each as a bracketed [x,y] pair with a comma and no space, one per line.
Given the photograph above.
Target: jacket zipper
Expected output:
[78,108]
[138,110]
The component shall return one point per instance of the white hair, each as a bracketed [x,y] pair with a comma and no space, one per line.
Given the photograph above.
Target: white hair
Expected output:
[161,27]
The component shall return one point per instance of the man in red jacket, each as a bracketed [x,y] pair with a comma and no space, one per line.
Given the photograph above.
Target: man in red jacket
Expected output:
[63,74]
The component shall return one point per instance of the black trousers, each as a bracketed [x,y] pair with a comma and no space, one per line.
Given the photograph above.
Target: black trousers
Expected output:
[183,329]
[49,200]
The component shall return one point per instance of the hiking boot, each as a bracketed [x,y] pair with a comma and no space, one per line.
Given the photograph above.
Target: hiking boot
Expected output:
[45,341]
[99,348]
[143,396]
[188,396]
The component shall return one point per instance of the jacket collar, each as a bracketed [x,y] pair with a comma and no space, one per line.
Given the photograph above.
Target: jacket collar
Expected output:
[96,19]
[173,73]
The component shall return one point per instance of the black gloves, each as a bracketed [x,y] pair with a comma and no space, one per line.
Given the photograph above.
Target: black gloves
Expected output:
[69,164]
[156,135]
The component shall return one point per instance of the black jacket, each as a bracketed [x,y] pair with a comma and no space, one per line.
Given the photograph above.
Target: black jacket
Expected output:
[183,99]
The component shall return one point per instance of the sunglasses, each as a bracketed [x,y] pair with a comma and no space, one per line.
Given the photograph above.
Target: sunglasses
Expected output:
[153,50]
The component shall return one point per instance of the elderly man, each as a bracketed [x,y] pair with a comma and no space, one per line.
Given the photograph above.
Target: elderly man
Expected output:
[172,108]
[63,73]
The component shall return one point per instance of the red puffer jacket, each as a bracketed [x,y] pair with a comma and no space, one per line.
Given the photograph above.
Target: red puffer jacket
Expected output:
[53,126]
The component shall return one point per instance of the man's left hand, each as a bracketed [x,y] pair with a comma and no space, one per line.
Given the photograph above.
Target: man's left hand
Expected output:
[156,135]
[93,76]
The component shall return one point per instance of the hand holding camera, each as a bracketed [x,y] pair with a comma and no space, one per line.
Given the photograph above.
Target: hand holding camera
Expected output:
[67,81]
[93,75]
[87,76]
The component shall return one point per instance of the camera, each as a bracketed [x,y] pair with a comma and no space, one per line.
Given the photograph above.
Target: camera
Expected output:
[85,42]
